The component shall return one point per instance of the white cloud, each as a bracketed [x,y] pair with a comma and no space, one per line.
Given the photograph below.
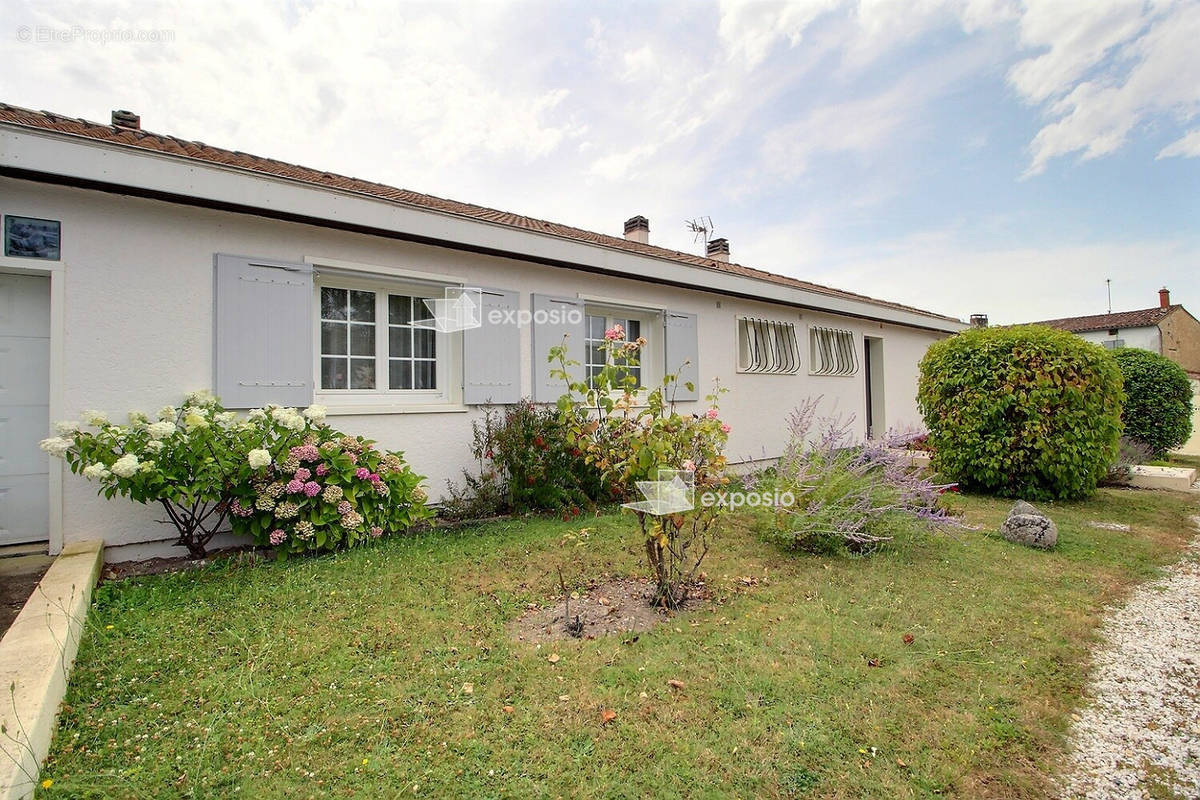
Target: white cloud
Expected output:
[1187,146]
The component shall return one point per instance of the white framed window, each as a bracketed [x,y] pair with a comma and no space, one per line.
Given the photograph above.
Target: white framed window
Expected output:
[598,321]
[833,351]
[376,344]
[767,346]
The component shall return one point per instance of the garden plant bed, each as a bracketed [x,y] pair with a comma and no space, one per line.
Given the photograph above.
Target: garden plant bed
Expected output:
[19,576]
[621,605]
[371,672]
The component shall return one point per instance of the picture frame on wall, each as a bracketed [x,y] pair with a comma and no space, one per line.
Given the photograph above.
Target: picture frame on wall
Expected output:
[30,237]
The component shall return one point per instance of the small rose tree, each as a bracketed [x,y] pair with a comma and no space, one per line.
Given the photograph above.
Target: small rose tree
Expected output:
[633,437]
[207,466]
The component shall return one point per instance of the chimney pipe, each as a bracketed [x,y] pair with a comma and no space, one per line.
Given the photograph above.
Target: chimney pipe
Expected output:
[126,119]
[979,320]
[1164,297]
[637,229]
[718,250]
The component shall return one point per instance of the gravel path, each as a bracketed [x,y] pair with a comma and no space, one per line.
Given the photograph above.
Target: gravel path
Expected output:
[1140,736]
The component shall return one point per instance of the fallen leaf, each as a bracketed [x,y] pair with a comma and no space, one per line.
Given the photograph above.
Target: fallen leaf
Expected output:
[900,763]
[674,684]
[507,709]
[564,697]
[874,662]
[553,658]
[908,638]
[607,716]
[468,688]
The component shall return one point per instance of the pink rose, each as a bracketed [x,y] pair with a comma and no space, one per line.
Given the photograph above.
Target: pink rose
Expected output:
[322,470]
[712,413]
[312,488]
[615,333]
[725,427]
[295,486]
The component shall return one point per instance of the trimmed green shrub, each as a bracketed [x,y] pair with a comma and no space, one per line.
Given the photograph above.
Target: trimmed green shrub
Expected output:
[1158,400]
[1025,411]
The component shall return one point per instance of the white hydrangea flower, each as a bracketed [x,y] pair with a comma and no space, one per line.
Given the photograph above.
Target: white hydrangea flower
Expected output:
[194,420]
[114,430]
[126,466]
[154,446]
[147,466]
[167,413]
[94,417]
[294,422]
[160,430]
[258,458]
[200,397]
[257,414]
[280,411]
[66,426]
[56,445]
[138,420]
[225,417]
[316,412]
[95,472]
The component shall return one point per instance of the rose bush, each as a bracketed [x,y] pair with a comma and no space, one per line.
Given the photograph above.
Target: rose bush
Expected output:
[273,474]
[630,438]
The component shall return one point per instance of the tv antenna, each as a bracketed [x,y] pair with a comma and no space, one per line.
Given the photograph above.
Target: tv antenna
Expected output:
[700,227]
[1108,283]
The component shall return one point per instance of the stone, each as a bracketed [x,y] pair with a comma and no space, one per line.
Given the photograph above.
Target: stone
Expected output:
[1028,526]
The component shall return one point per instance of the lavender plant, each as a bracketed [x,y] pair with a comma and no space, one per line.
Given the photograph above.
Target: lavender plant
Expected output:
[849,495]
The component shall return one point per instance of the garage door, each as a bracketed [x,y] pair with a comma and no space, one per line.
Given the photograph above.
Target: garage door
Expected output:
[24,408]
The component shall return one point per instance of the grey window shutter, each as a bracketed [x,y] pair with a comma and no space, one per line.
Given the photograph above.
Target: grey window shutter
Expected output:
[554,318]
[682,354]
[492,352]
[263,336]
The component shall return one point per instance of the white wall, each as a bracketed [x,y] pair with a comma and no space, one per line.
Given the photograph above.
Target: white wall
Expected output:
[1146,338]
[138,331]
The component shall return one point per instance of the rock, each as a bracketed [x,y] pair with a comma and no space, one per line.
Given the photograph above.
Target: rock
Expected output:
[1028,526]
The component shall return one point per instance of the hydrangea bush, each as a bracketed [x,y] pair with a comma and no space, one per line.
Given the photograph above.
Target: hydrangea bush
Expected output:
[278,474]
[631,437]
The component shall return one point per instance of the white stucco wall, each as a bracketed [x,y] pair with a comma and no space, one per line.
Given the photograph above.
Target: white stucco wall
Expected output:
[1146,338]
[138,331]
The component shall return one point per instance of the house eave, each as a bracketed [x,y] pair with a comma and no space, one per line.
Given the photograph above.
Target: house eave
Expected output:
[66,159]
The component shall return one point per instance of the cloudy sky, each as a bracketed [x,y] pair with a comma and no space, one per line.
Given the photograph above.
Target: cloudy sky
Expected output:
[980,156]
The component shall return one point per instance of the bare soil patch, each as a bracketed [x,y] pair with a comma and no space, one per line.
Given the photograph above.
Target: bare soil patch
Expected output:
[18,579]
[120,570]
[621,605]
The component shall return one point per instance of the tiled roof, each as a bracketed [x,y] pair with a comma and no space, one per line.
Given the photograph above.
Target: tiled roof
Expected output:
[1100,322]
[199,151]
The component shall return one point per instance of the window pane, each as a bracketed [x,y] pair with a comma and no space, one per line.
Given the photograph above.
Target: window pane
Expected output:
[595,327]
[399,309]
[333,338]
[362,340]
[423,343]
[362,373]
[424,376]
[595,355]
[333,303]
[400,375]
[362,306]
[633,329]
[333,373]
[400,342]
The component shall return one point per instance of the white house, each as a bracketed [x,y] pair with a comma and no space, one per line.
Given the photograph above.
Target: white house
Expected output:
[139,266]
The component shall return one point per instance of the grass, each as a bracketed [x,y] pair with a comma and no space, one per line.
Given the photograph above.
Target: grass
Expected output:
[344,676]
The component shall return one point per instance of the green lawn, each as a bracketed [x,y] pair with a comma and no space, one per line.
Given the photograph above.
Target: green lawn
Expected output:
[344,675]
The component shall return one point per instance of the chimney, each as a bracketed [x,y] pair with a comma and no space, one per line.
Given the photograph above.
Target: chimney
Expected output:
[1164,297]
[126,119]
[979,320]
[718,250]
[637,229]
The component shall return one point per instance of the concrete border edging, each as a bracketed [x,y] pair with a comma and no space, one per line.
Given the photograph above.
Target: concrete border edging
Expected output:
[36,656]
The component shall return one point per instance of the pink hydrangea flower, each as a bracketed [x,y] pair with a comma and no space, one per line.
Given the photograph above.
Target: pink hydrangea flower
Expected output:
[322,470]
[615,333]
[377,531]
[302,474]
[725,427]
[712,413]
[312,488]
[362,473]
[295,486]
[344,507]
[353,457]
[306,452]
[373,477]
[277,536]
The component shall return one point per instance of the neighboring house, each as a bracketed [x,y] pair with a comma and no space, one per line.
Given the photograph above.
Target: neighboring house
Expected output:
[1169,330]
[142,266]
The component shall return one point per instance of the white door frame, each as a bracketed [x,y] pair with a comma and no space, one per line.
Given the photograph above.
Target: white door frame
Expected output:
[56,271]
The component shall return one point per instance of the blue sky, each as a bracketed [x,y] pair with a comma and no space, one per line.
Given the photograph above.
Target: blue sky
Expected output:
[977,156]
